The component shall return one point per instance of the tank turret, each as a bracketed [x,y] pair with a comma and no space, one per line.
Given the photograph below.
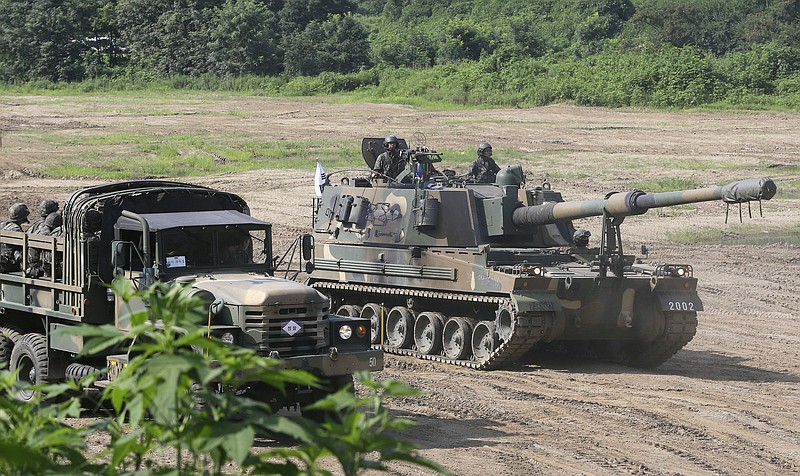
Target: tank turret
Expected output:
[478,274]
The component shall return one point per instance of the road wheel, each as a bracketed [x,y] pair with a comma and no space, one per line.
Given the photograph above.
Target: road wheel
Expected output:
[428,332]
[373,312]
[456,338]
[505,322]
[400,327]
[29,359]
[349,310]
[484,340]
[9,335]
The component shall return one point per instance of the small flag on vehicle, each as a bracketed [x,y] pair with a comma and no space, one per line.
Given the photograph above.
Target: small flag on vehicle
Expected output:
[319,180]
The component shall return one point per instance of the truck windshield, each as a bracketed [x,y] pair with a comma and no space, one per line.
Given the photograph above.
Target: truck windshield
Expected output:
[213,247]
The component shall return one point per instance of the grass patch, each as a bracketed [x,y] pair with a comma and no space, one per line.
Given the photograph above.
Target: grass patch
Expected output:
[738,234]
[567,175]
[187,155]
[669,184]
[789,190]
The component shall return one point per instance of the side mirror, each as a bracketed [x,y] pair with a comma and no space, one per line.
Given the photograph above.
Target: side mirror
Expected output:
[119,253]
[307,247]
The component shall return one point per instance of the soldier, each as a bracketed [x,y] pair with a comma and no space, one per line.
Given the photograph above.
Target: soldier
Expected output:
[45,208]
[10,255]
[39,260]
[391,162]
[484,169]
[90,234]
[92,222]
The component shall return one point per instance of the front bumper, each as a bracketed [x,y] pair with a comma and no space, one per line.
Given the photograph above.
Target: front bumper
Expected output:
[335,363]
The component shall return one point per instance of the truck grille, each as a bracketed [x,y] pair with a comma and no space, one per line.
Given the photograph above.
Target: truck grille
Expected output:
[290,331]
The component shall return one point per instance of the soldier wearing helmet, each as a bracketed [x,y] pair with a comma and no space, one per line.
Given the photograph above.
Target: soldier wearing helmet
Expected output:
[390,163]
[92,222]
[484,169]
[45,208]
[39,260]
[11,255]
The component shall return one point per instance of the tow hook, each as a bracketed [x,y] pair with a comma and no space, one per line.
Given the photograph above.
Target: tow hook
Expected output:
[334,354]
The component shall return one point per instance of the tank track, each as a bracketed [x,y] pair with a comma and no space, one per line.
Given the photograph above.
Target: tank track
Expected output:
[528,328]
[679,331]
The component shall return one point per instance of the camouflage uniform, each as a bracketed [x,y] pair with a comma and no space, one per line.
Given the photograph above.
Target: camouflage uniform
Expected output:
[39,260]
[90,234]
[11,255]
[38,227]
[483,170]
[389,163]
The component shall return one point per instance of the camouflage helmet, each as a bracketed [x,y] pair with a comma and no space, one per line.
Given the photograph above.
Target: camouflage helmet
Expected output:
[47,207]
[581,237]
[54,220]
[484,146]
[18,212]
[390,139]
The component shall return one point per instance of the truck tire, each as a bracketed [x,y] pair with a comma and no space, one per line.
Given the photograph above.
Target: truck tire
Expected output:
[78,371]
[29,357]
[9,335]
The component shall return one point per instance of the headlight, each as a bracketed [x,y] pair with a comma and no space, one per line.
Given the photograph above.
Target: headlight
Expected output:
[345,332]
[227,338]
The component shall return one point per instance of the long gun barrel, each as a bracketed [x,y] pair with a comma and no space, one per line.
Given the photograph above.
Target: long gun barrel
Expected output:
[637,202]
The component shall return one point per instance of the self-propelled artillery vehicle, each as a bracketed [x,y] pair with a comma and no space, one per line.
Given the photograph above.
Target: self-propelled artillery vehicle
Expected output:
[180,234]
[478,274]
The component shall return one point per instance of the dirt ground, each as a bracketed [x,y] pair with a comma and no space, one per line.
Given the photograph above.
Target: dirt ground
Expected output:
[726,404]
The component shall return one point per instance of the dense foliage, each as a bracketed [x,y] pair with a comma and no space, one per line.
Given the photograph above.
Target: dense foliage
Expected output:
[510,52]
[167,417]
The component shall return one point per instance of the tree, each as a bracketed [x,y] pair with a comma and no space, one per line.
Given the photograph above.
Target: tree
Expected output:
[42,39]
[399,45]
[296,15]
[338,44]
[245,40]
[169,39]
[463,40]
[604,19]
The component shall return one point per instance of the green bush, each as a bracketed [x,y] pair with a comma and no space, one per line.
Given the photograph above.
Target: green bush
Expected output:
[176,396]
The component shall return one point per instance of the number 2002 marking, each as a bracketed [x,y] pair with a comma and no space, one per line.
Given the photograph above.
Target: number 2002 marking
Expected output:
[681,306]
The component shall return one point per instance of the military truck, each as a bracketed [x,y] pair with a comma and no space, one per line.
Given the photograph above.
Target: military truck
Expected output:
[477,274]
[178,233]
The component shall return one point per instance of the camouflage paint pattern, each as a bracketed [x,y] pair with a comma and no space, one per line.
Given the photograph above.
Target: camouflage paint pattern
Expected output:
[503,255]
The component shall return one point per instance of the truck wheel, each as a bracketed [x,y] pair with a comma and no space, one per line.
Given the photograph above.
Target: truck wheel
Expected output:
[78,371]
[9,335]
[29,358]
